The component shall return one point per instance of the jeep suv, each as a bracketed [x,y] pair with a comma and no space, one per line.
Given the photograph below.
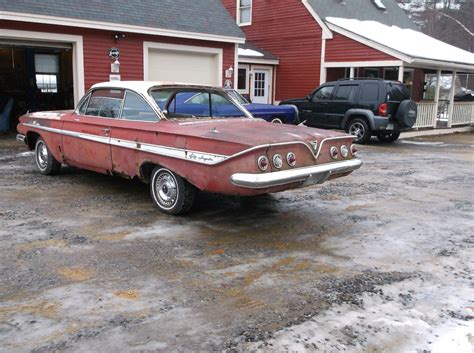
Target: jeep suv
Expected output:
[362,107]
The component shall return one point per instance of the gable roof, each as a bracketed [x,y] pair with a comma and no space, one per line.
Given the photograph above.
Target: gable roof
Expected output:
[363,10]
[208,17]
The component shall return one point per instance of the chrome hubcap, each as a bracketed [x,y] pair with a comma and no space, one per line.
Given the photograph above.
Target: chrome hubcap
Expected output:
[42,155]
[357,129]
[166,189]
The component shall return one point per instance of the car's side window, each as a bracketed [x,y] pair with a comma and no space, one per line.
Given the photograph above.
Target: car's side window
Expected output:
[81,109]
[322,94]
[370,92]
[223,107]
[346,93]
[105,103]
[135,108]
[189,104]
[161,97]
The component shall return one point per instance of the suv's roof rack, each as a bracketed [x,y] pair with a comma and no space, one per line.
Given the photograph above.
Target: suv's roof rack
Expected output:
[361,78]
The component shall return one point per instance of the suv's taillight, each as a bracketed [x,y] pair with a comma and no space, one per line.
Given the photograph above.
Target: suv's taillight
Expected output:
[383,109]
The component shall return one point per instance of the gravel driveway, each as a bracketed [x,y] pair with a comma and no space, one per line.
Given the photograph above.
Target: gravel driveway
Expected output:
[379,261]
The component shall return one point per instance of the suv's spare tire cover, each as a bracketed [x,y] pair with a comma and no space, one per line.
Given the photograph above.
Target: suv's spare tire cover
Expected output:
[406,114]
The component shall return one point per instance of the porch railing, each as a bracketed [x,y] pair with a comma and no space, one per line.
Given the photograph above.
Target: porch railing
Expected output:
[463,113]
[427,113]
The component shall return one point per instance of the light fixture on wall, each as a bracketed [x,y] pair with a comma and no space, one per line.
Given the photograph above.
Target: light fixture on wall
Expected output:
[118,36]
[229,72]
[115,67]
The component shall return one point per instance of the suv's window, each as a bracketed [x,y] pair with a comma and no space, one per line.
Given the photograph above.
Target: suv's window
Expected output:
[105,103]
[346,93]
[370,92]
[135,108]
[397,92]
[324,93]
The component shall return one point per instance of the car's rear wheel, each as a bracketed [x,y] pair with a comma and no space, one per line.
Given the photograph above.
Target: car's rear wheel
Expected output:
[45,161]
[277,120]
[388,137]
[171,193]
[359,128]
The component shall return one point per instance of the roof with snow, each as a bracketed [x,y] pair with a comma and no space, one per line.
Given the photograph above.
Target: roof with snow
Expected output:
[384,11]
[251,51]
[411,45]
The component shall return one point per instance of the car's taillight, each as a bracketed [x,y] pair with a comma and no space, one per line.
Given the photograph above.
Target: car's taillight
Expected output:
[291,159]
[262,163]
[383,109]
[334,152]
[277,161]
[344,151]
[354,150]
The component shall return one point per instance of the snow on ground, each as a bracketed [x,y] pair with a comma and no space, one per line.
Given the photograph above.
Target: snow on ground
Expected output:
[405,41]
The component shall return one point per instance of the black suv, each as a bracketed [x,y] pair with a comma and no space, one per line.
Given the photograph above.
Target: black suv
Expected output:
[362,107]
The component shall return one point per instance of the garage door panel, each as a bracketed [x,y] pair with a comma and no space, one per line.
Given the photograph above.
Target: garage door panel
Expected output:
[183,66]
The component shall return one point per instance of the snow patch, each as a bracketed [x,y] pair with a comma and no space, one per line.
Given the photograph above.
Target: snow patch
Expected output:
[249,52]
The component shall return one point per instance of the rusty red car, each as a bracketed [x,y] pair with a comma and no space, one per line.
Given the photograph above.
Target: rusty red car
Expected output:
[182,138]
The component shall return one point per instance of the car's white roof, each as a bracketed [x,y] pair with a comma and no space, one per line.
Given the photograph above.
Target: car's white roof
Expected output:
[143,86]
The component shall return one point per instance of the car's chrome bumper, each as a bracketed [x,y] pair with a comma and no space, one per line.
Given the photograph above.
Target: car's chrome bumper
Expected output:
[315,174]
[21,138]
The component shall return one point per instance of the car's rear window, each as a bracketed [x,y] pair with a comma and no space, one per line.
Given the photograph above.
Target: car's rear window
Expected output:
[397,92]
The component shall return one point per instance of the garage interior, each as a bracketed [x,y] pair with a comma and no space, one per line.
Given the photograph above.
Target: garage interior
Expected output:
[36,77]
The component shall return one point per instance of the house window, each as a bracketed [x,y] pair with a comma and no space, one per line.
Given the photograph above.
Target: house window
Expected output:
[244,12]
[47,72]
[243,79]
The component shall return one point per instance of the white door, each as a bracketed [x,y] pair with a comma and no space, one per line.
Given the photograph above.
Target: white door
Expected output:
[261,86]
[183,66]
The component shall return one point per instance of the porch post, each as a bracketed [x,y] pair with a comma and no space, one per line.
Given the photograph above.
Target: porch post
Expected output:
[400,73]
[351,72]
[451,100]
[436,98]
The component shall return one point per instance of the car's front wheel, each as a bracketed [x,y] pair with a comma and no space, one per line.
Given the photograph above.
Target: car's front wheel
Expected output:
[388,137]
[171,193]
[45,161]
[276,120]
[359,128]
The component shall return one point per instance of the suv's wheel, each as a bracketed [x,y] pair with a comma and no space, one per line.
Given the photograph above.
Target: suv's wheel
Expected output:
[45,162]
[388,137]
[171,193]
[359,128]
[406,114]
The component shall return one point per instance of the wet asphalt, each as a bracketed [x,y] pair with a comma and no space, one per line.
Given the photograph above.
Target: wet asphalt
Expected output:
[87,263]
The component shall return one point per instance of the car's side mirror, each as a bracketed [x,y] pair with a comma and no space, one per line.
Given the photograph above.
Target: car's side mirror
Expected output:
[308,97]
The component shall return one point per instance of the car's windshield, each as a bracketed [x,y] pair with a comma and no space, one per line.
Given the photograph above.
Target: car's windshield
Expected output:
[183,102]
[237,96]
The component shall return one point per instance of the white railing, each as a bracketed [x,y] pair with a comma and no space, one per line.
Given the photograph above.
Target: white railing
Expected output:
[427,113]
[463,113]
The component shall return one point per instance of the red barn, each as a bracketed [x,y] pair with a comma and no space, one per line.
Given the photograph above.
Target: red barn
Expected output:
[294,45]
[52,51]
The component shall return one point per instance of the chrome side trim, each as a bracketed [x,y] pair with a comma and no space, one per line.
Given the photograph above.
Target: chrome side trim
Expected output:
[21,138]
[307,175]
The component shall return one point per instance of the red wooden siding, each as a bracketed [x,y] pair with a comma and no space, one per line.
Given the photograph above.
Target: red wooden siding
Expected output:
[341,48]
[97,43]
[286,29]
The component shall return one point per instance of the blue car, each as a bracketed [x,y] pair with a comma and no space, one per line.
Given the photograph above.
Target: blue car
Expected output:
[280,114]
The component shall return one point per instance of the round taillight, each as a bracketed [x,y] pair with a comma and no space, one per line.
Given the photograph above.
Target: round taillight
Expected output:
[262,163]
[291,159]
[344,151]
[354,150]
[334,153]
[277,161]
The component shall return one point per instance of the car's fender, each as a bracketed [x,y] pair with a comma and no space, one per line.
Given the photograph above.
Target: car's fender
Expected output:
[360,112]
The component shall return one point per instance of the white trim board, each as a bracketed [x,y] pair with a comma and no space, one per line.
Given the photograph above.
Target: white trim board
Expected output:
[327,34]
[108,26]
[184,48]
[77,52]
[259,61]
[363,63]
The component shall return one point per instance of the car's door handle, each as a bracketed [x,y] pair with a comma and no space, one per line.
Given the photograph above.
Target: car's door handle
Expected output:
[306,111]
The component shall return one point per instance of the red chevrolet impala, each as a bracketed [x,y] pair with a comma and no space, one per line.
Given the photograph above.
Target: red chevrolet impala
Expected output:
[182,138]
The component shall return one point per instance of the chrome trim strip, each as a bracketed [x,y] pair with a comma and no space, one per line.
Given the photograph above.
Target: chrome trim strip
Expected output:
[21,138]
[309,175]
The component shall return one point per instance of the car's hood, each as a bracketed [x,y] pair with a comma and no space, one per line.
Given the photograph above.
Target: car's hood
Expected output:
[243,133]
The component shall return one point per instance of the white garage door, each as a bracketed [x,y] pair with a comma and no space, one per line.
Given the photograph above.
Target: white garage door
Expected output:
[184,66]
